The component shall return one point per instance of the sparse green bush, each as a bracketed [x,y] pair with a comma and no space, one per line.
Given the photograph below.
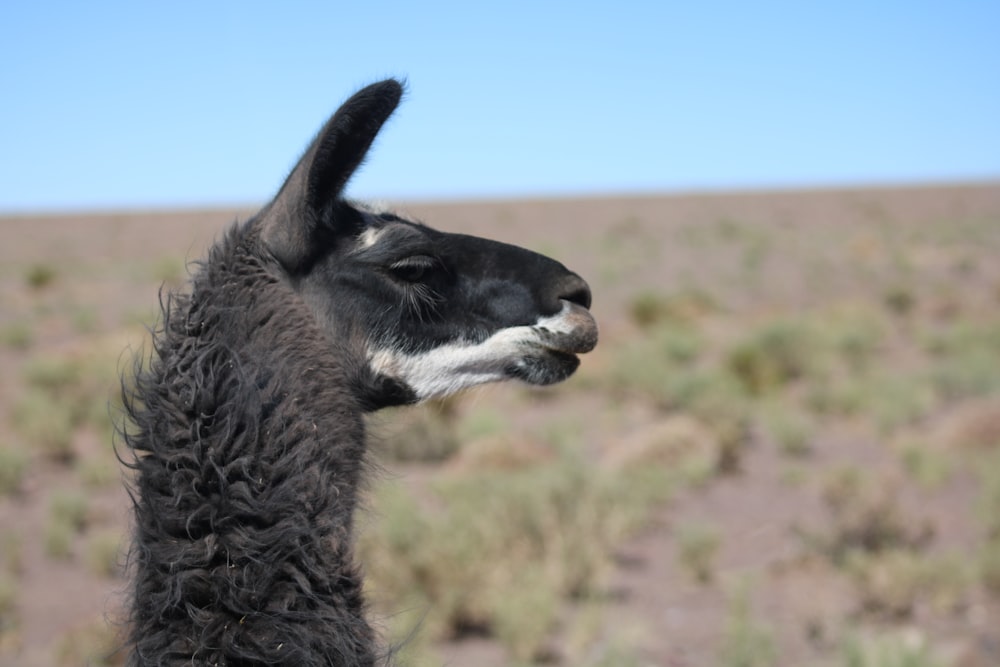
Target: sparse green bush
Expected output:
[773,355]
[67,517]
[17,335]
[745,642]
[728,412]
[170,271]
[69,508]
[989,493]
[503,452]
[8,602]
[889,582]
[682,308]
[13,464]
[792,431]
[422,433]
[856,335]
[617,654]
[63,393]
[95,644]
[524,615]
[561,432]
[866,518]
[58,539]
[835,397]
[927,466]
[678,443]
[461,555]
[888,651]
[964,359]
[99,471]
[678,346]
[57,375]
[894,400]
[39,276]
[11,552]
[697,546]
[900,300]
[103,553]
[480,423]
[45,424]
[989,565]
[85,320]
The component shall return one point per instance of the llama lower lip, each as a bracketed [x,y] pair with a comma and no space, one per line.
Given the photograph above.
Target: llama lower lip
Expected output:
[582,337]
[579,342]
[547,366]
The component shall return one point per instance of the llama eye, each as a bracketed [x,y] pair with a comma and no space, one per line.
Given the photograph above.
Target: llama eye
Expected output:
[412,269]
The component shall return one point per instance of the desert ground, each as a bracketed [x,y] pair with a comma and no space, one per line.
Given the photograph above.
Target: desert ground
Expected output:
[784,451]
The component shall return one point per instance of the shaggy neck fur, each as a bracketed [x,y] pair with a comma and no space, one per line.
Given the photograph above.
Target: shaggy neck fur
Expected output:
[249,446]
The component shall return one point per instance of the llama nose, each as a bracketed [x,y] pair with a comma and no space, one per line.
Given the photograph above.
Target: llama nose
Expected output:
[575,290]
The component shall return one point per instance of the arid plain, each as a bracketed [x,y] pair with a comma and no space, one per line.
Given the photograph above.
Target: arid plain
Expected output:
[784,451]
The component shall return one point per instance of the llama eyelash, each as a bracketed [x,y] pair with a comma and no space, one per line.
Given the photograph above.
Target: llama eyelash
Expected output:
[421,300]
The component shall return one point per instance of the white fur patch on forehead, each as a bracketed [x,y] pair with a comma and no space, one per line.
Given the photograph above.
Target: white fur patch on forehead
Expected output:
[458,365]
[369,237]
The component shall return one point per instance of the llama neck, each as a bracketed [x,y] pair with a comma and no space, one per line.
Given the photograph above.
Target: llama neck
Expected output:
[250,451]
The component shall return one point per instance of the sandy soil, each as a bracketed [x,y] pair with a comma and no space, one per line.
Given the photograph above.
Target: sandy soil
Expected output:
[105,267]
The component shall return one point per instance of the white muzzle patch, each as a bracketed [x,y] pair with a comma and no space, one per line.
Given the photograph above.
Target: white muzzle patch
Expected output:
[458,365]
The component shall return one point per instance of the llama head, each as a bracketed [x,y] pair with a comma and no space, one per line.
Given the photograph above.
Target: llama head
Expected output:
[427,312]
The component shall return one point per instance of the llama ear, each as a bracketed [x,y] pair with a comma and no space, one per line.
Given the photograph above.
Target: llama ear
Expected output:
[308,198]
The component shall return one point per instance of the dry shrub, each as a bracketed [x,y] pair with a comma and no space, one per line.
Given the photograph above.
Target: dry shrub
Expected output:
[685,307]
[65,392]
[504,451]
[104,553]
[40,275]
[905,649]
[8,603]
[499,551]
[746,641]
[697,546]
[929,466]
[13,465]
[792,430]
[421,434]
[989,566]
[773,355]
[95,643]
[891,583]
[865,518]
[974,426]
[677,442]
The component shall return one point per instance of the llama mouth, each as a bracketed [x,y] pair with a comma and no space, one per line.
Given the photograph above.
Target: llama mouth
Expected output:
[560,339]
[544,367]
[573,331]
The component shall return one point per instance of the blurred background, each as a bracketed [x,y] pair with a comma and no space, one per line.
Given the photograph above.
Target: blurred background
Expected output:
[785,450]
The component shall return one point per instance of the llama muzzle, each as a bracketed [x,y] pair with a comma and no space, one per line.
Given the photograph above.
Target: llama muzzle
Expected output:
[577,332]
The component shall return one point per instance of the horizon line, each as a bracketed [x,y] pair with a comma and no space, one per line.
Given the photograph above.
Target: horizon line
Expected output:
[568,195]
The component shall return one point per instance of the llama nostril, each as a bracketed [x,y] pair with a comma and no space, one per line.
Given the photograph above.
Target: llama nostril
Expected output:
[576,291]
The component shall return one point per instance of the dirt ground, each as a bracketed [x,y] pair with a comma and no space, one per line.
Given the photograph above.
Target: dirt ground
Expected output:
[73,284]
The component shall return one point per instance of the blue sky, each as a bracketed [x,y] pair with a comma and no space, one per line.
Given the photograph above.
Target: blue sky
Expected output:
[124,105]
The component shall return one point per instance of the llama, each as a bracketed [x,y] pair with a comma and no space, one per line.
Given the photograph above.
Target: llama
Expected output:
[247,437]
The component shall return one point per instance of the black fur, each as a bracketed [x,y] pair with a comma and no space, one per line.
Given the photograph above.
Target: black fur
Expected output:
[249,444]
[246,425]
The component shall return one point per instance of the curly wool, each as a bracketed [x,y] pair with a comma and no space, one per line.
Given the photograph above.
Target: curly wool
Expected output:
[248,447]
